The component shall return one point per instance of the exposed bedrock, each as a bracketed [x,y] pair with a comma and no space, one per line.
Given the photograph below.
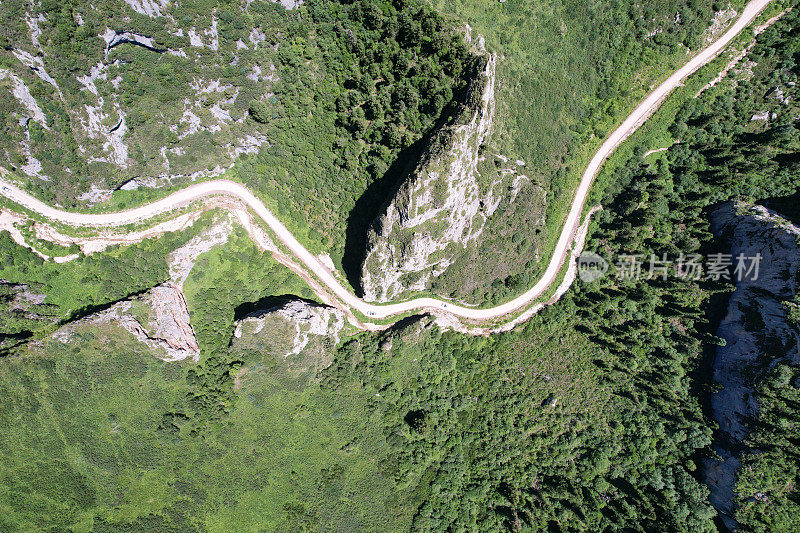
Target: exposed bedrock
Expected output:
[159,318]
[441,207]
[290,329]
[757,332]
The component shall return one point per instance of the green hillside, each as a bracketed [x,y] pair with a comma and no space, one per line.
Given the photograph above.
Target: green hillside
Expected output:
[594,415]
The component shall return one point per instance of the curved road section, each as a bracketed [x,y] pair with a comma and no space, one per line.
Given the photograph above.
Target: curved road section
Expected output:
[195,192]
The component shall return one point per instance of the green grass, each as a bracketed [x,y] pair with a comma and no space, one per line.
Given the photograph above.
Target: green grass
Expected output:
[294,451]
[584,418]
[79,433]
[97,279]
[229,276]
[88,417]
[568,73]
[559,49]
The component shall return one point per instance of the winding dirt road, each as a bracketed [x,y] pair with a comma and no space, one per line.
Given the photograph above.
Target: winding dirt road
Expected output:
[195,192]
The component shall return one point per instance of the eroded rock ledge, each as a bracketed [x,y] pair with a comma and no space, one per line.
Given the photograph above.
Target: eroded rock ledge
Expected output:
[159,318]
[292,327]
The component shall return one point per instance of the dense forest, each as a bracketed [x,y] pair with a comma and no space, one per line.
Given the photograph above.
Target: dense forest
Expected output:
[382,75]
[477,424]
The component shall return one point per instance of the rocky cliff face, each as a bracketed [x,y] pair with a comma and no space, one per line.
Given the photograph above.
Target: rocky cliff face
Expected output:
[22,309]
[304,324]
[440,208]
[300,333]
[158,318]
[756,330]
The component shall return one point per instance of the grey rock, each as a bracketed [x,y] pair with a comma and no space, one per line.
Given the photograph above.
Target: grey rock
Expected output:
[756,319]
[439,209]
[159,318]
[308,321]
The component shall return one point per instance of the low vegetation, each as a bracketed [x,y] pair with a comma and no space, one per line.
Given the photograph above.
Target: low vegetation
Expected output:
[570,71]
[93,281]
[590,417]
[223,284]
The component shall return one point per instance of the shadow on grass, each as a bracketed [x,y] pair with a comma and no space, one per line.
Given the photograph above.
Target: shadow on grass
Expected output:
[268,303]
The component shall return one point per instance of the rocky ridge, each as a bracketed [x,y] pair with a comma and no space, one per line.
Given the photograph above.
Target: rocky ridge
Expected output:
[160,317]
[23,304]
[441,208]
[182,260]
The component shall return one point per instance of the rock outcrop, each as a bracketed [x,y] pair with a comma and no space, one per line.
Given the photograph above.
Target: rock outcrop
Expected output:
[755,325]
[159,318]
[22,311]
[291,328]
[23,304]
[440,208]
[20,296]
[182,260]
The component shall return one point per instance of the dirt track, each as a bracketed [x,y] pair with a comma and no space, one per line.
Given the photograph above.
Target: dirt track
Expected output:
[332,283]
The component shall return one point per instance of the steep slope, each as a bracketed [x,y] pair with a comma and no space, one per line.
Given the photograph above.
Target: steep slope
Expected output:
[568,72]
[304,334]
[440,208]
[433,222]
[22,309]
[104,92]
[158,318]
[758,333]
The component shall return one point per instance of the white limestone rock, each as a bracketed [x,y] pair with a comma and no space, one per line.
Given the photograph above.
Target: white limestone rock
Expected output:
[307,322]
[440,209]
